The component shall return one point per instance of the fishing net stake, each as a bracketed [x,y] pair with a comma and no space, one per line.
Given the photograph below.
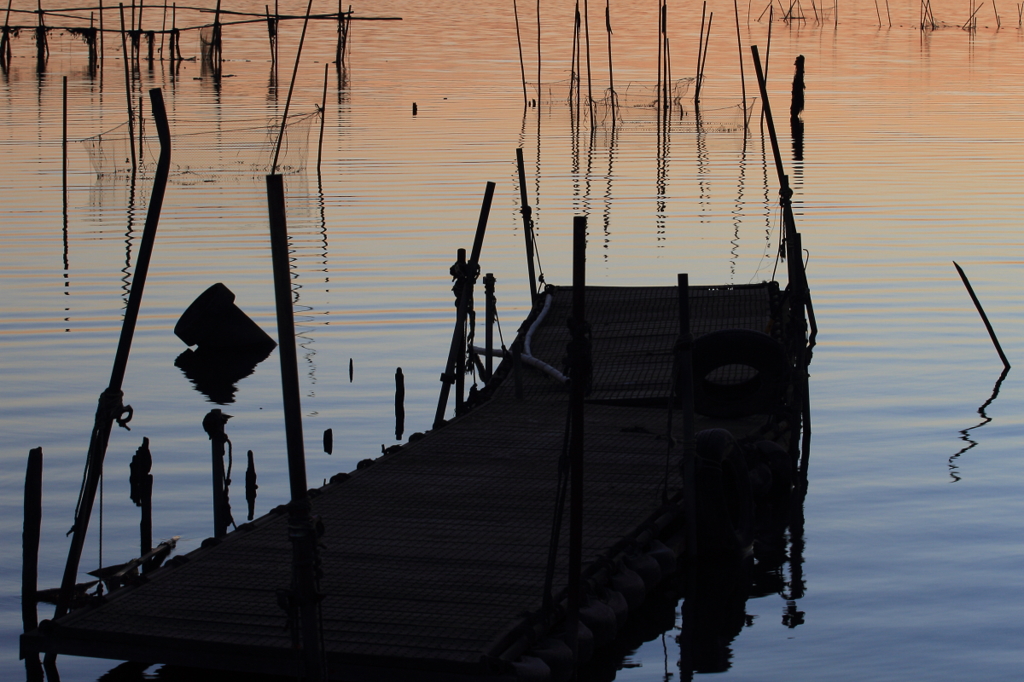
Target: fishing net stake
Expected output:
[110,408]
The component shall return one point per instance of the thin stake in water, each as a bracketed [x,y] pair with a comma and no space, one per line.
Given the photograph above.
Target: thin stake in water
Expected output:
[984,317]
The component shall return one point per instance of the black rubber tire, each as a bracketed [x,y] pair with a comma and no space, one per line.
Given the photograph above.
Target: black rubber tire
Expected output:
[725,509]
[761,394]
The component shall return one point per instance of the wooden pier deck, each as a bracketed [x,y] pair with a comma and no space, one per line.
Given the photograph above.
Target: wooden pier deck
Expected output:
[434,556]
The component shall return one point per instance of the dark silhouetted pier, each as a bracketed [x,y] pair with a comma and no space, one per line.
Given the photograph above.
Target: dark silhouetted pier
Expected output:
[434,556]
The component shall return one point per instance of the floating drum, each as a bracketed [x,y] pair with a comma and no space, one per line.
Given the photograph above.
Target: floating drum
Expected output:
[214,321]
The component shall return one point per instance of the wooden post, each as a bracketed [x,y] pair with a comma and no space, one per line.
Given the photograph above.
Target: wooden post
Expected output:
[5,40]
[30,538]
[141,481]
[110,408]
[524,206]
[213,424]
[301,527]
[684,390]
[517,352]
[399,404]
[577,390]
[460,332]
[250,485]
[490,313]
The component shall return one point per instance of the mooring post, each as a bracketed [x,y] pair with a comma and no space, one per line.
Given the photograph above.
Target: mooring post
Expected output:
[472,267]
[250,485]
[141,486]
[527,212]
[213,424]
[460,331]
[684,390]
[110,408]
[399,404]
[577,392]
[490,312]
[30,538]
[302,529]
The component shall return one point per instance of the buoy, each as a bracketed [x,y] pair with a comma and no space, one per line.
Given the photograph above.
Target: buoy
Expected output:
[664,555]
[214,321]
[646,567]
[600,618]
[618,605]
[558,657]
[531,669]
[631,586]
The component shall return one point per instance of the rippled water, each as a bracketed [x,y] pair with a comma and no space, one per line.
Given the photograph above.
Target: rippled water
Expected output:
[913,157]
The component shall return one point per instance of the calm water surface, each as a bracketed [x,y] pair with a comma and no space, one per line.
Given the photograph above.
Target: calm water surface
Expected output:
[913,157]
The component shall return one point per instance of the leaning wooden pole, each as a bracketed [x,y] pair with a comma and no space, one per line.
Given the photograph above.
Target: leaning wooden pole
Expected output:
[302,529]
[110,408]
[524,206]
[448,378]
[984,317]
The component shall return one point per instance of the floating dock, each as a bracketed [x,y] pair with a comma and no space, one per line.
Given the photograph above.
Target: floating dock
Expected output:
[435,556]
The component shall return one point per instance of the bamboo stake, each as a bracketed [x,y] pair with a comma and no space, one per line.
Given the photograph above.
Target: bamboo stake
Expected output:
[743,82]
[64,145]
[323,117]
[128,92]
[700,49]
[611,71]
[522,64]
[291,88]
[984,317]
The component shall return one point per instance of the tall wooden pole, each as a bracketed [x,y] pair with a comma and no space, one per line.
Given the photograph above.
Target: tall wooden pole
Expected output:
[302,529]
[577,391]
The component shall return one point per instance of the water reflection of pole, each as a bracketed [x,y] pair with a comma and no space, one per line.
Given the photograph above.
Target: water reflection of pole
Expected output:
[607,213]
[737,214]
[985,419]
